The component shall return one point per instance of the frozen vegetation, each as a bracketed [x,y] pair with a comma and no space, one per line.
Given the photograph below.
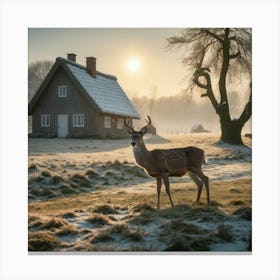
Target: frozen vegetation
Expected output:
[89,195]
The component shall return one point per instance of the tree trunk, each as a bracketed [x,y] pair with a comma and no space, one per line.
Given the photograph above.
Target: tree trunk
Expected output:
[231,132]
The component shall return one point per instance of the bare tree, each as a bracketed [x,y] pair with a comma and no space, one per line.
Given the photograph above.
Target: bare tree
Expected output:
[223,54]
[37,71]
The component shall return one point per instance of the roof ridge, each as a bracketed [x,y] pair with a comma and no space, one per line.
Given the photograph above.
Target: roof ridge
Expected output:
[112,77]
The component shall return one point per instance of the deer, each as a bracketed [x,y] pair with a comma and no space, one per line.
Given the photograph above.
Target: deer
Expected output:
[165,163]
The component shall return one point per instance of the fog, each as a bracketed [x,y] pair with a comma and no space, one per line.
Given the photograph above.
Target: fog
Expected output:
[177,114]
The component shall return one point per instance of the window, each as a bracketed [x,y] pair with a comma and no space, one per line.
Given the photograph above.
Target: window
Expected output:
[62,91]
[120,123]
[78,120]
[107,122]
[45,120]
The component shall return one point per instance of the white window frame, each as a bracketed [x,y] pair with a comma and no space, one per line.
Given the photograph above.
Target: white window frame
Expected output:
[107,122]
[45,120]
[62,91]
[120,123]
[78,120]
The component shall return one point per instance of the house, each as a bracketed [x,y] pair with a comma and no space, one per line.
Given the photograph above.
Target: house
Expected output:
[78,101]
[198,128]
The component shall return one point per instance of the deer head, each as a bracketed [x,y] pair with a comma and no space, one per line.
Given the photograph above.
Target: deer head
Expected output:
[137,136]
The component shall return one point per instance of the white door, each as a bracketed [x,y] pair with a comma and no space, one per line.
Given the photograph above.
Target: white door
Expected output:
[62,125]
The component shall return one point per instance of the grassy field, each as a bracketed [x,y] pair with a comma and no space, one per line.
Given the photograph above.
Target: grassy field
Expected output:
[80,201]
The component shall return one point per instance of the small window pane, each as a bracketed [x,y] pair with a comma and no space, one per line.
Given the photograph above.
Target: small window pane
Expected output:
[78,120]
[62,91]
[107,122]
[120,123]
[45,120]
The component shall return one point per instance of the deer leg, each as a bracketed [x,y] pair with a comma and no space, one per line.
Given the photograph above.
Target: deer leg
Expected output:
[198,172]
[198,183]
[167,188]
[159,183]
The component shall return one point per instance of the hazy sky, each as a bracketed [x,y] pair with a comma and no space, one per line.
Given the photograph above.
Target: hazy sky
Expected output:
[137,56]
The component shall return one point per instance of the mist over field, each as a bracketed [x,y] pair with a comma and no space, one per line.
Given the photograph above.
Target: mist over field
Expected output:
[177,114]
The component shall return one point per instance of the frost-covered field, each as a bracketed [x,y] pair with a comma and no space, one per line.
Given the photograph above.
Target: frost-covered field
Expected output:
[89,195]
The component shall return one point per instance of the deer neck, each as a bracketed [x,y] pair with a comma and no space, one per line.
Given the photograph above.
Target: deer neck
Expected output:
[141,155]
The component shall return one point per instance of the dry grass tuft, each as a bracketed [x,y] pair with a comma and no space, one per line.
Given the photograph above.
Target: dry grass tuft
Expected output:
[66,189]
[81,180]
[237,202]
[34,222]
[92,174]
[179,226]
[125,232]
[55,180]
[32,167]
[145,217]
[143,207]
[102,237]
[85,247]
[68,215]
[224,232]
[54,223]
[98,219]
[38,179]
[187,243]
[67,230]
[244,213]
[46,173]
[136,171]
[42,241]
[105,209]
[234,190]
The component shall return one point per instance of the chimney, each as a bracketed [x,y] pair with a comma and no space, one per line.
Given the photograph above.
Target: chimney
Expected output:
[71,57]
[91,66]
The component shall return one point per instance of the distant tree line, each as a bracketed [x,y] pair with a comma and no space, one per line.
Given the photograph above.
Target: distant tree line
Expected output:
[37,71]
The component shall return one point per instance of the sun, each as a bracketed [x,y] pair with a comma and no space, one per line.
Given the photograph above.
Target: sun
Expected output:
[133,64]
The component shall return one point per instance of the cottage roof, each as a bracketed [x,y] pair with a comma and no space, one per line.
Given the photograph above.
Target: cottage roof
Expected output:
[103,90]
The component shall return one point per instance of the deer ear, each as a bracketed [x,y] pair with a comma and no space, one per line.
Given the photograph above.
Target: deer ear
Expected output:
[144,130]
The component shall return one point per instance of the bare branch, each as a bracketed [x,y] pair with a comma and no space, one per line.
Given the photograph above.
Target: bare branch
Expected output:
[203,72]
[235,55]
[213,35]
